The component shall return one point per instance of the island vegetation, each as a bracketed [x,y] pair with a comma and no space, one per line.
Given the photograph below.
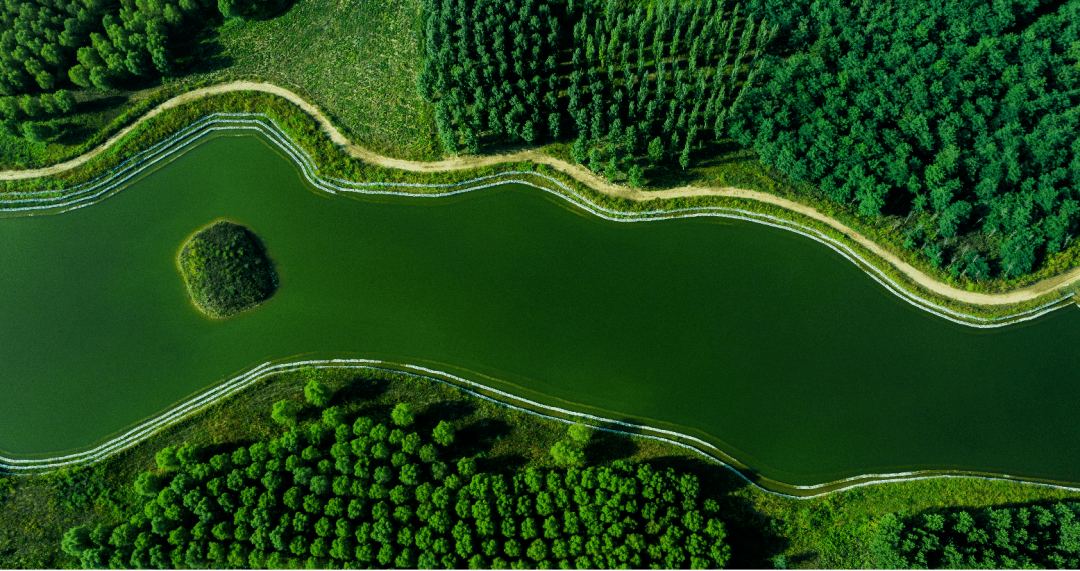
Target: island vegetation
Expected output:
[226,269]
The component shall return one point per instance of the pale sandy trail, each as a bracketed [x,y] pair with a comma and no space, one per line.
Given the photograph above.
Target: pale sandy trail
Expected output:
[581,174]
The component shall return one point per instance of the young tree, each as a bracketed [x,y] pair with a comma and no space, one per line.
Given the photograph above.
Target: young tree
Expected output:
[317,393]
[148,484]
[284,412]
[428,453]
[637,176]
[656,151]
[36,131]
[528,132]
[334,417]
[611,171]
[580,151]
[596,160]
[167,459]
[443,433]
[362,426]
[555,125]
[466,467]
[402,415]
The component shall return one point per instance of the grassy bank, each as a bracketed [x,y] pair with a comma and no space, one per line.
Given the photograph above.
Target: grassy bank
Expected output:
[369,91]
[763,529]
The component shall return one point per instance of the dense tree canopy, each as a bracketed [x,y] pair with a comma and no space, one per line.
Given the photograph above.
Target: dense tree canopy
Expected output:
[47,46]
[1008,538]
[967,111]
[49,43]
[615,79]
[367,494]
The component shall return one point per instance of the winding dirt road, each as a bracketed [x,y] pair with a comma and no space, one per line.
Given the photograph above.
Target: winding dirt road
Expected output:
[580,173]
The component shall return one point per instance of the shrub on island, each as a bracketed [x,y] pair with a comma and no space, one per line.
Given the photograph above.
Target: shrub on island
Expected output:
[226,269]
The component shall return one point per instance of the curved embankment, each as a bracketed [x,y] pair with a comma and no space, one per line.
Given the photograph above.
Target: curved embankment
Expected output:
[146,429]
[219,122]
[585,176]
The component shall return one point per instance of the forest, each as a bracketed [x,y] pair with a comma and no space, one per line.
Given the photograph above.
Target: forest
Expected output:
[626,84]
[1031,537]
[352,492]
[963,114]
[960,115]
[50,46]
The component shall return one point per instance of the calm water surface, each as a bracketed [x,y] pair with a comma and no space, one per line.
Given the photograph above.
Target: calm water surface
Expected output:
[758,340]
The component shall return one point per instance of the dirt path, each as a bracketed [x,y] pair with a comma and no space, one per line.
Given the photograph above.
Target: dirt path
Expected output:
[580,173]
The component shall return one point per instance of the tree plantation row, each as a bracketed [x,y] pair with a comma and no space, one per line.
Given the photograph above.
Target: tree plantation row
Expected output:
[341,493]
[623,82]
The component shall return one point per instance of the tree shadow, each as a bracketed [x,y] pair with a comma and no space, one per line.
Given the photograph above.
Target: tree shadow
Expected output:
[449,411]
[100,104]
[479,436]
[273,10]
[71,133]
[712,154]
[507,464]
[200,48]
[800,558]
[360,389]
[606,446]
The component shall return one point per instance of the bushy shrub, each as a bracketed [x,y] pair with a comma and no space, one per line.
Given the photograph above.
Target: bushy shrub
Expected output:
[226,269]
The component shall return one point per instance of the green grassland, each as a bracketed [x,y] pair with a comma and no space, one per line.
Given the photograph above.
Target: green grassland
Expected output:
[357,60]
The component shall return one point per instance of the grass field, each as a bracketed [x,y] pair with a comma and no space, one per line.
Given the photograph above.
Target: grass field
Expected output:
[357,59]
[764,530]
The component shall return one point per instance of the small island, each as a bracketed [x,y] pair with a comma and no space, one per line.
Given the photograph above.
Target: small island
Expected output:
[226,269]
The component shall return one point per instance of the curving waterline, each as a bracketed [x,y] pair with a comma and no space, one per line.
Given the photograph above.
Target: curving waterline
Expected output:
[104,186]
[147,429]
[91,192]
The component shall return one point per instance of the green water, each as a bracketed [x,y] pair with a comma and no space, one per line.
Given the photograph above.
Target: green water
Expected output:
[758,340]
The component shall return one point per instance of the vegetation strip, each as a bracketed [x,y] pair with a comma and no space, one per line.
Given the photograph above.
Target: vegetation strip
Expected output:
[147,429]
[101,186]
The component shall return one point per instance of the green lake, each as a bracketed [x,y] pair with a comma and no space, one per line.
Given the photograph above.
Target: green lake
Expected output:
[755,339]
